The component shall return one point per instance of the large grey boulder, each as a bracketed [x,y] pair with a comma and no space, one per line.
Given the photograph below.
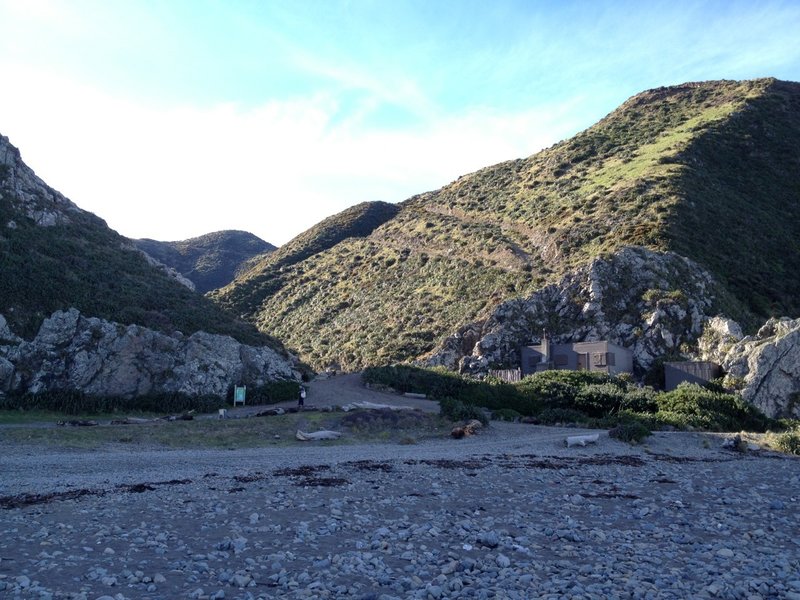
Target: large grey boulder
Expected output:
[651,302]
[766,366]
[103,358]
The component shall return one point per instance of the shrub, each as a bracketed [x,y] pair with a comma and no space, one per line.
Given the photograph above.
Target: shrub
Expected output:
[271,392]
[455,410]
[73,402]
[551,416]
[506,414]
[642,400]
[598,399]
[789,442]
[439,383]
[713,410]
[631,432]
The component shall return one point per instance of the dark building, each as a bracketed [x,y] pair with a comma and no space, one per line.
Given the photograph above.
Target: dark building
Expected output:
[602,357]
[676,373]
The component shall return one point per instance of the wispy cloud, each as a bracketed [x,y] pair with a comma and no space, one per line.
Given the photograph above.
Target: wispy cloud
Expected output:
[275,169]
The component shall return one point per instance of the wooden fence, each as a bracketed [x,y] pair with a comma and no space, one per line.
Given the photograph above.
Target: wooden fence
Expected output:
[509,375]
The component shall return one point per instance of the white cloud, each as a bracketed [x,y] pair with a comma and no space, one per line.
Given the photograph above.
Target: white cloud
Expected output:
[275,170]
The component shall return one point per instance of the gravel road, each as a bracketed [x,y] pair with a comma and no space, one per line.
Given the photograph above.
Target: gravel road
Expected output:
[510,513]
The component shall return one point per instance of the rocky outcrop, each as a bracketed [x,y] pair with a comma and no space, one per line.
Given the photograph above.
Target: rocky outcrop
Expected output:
[32,196]
[766,366]
[653,303]
[104,358]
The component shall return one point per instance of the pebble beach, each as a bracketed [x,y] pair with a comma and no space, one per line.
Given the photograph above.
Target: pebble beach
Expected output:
[510,513]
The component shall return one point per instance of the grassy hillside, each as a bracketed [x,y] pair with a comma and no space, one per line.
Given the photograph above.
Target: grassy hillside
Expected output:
[80,262]
[210,261]
[266,276]
[708,170]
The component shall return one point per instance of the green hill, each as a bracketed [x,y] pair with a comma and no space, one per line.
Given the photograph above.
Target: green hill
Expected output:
[210,261]
[53,255]
[708,170]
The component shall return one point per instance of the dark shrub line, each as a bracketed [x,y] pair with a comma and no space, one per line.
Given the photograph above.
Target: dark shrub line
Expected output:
[593,399]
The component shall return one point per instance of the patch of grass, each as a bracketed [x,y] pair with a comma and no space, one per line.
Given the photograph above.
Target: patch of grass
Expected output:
[72,402]
[256,432]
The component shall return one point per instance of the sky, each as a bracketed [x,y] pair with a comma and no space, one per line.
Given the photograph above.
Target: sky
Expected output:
[171,119]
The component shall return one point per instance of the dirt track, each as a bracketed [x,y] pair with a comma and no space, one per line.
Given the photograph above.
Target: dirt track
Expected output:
[346,389]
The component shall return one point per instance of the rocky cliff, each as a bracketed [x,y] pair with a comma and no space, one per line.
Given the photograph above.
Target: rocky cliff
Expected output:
[31,196]
[765,366]
[654,303]
[104,358]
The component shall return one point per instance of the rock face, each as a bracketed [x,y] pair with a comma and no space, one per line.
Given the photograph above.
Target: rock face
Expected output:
[104,358]
[39,202]
[653,303]
[767,364]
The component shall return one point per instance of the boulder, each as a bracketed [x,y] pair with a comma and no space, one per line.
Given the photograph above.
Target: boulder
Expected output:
[766,366]
[103,358]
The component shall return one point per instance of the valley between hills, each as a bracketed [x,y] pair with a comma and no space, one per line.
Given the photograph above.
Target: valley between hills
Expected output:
[669,228]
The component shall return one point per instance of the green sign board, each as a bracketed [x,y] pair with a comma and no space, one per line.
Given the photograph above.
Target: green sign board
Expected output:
[238,394]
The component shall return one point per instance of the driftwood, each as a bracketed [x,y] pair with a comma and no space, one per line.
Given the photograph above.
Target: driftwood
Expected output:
[469,429]
[187,416]
[77,423]
[270,412]
[372,406]
[582,440]
[317,435]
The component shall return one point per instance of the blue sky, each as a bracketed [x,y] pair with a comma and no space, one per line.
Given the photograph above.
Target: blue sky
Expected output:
[172,119]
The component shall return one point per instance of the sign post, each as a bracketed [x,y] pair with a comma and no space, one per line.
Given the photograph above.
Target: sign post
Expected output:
[239,394]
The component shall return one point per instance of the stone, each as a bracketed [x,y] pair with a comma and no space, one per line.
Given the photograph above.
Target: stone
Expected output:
[104,358]
[767,366]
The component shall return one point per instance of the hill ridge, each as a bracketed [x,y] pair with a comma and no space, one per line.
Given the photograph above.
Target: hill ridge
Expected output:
[449,256]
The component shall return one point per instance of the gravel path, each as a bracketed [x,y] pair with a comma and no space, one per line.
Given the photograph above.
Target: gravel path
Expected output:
[511,513]
[341,390]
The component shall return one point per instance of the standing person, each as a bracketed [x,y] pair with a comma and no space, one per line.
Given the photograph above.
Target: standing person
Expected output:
[302,398]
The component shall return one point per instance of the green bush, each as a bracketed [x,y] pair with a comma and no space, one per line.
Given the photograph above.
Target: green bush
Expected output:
[598,399]
[641,400]
[582,396]
[551,416]
[455,410]
[269,393]
[506,414]
[789,442]
[439,383]
[631,432]
[73,402]
[712,410]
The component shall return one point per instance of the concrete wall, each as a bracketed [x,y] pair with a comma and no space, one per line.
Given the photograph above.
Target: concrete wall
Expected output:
[700,372]
[600,357]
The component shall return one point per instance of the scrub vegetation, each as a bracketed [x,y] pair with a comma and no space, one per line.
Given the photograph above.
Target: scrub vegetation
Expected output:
[708,170]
